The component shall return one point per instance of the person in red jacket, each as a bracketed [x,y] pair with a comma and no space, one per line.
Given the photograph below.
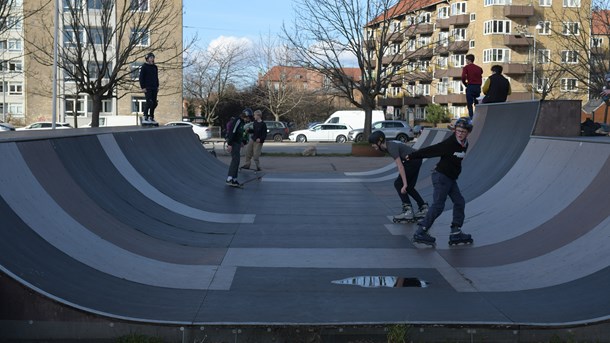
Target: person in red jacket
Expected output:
[472,78]
[444,179]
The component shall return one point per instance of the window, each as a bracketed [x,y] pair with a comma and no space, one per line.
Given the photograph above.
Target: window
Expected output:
[11,66]
[15,88]
[93,69]
[97,35]
[571,3]
[443,86]
[497,27]
[543,56]
[443,38]
[14,23]
[496,55]
[137,104]
[458,8]
[15,109]
[95,4]
[545,3]
[422,89]
[106,106]
[395,91]
[139,5]
[458,60]
[457,87]
[569,56]
[471,44]
[74,105]
[473,16]
[15,45]
[135,70]
[443,13]
[442,62]
[141,37]
[570,29]
[458,34]
[424,18]
[542,83]
[411,45]
[73,37]
[597,42]
[546,27]
[424,41]
[497,2]
[395,49]
[72,5]
[569,85]
[396,26]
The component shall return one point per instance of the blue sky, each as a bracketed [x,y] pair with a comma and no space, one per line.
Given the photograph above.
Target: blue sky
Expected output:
[211,19]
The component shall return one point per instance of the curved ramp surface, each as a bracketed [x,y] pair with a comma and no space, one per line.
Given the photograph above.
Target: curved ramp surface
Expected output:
[79,228]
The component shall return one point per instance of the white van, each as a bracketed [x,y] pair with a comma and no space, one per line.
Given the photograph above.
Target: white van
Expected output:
[122,120]
[355,119]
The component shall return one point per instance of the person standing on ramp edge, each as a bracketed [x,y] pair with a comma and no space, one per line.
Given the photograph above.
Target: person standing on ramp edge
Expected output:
[444,179]
[149,82]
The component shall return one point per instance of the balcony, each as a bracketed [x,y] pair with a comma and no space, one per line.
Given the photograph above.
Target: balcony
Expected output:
[398,58]
[598,50]
[450,98]
[460,19]
[405,101]
[518,11]
[417,76]
[516,68]
[443,23]
[425,53]
[450,72]
[459,46]
[396,37]
[517,40]
[422,29]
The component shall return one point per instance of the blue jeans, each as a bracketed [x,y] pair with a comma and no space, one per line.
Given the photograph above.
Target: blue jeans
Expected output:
[472,93]
[443,187]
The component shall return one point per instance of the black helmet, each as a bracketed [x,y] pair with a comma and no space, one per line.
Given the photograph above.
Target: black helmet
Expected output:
[377,137]
[149,55]
[464,123]
[248,112]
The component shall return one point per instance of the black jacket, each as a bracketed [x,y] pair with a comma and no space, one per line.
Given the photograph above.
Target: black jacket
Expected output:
[498,91]
[235,132]
[451,153]
[149,76]
[259,131]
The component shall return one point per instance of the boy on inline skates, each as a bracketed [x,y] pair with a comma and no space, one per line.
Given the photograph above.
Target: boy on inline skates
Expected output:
[444,179]
[408,171]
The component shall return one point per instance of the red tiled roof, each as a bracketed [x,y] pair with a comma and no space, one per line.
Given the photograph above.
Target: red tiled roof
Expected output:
[404,7]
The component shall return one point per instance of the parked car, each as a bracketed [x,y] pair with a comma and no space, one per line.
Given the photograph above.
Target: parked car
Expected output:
[419,129]
[322,133]
[203,132]
[276,130]
[45,125]
[393,129]
[6,126]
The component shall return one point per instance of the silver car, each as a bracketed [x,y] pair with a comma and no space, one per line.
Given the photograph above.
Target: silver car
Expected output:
[393,130]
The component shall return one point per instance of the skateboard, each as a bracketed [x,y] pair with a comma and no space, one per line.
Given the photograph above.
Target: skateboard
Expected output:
[155,124]
[257,177]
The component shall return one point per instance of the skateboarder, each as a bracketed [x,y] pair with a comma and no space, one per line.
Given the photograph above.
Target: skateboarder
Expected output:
[149,82]
[444,179]
[235,140]
[408,172]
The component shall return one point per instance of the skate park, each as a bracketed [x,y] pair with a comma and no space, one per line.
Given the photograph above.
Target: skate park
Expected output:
[137,226]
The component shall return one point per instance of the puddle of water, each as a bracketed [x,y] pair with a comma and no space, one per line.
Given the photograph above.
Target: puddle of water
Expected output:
[382,281]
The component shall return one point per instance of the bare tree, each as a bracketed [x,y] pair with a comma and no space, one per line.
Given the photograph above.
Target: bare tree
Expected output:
[104,40]
[213,74]
[325,32]
[581,62]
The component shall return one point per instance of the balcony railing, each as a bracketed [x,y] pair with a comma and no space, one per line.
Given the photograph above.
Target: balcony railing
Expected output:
[519,11]
[450,98]
[517,40]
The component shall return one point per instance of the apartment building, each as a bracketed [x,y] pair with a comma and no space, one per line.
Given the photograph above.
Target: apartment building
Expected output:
[530,39]
[27,76]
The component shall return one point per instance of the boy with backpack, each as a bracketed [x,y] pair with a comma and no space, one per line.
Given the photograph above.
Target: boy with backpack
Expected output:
[235,140]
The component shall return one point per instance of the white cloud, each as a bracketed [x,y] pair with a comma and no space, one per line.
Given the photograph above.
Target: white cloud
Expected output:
[229,41]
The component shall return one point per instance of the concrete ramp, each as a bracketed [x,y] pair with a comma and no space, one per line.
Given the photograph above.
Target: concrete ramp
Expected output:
[138,225]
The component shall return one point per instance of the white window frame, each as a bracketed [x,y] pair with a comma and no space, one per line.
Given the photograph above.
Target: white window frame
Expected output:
[15,45]
[497,2]
[137,104]
[424,18]
[139,5]
[543,56]
[458,60]
[569,56]
[459,34]
[597,42]
[144,40]
[569,85]
[545,3]
[443,12]
[569,28]
[15,88]
[497,27]
[15,109]
[571,3]
[458,8]
[396,26]
[541,83]
[496,55]
[546,28]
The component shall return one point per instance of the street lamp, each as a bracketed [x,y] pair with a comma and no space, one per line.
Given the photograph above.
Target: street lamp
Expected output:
[538,27]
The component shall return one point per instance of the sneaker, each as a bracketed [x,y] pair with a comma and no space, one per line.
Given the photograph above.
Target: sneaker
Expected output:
[258,169]
[234,183]
[423,210]
[152,120]
[229,182]
[145,120]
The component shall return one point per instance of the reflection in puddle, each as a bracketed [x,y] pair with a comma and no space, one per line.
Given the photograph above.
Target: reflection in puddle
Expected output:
[382,281]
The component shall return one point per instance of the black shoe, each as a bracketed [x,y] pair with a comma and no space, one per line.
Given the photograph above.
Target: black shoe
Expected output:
[234,183]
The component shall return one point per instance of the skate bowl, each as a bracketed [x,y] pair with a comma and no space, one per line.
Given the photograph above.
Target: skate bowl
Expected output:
[109,227]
